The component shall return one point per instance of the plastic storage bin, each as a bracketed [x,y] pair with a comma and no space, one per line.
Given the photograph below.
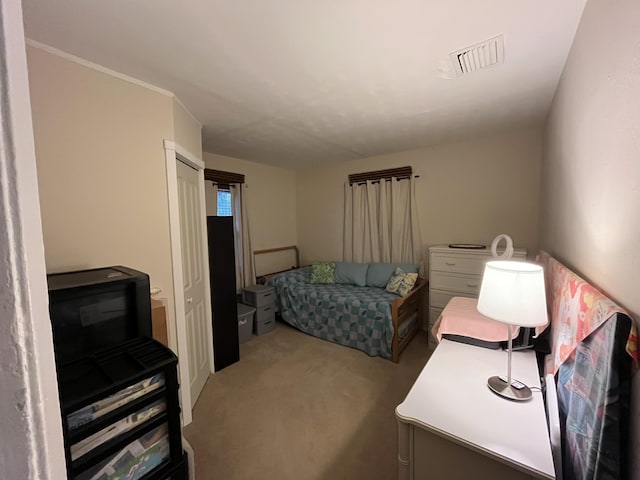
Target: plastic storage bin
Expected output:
[245,322]
[258,295]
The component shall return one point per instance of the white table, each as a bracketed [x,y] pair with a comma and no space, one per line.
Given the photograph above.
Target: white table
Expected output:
[452,426]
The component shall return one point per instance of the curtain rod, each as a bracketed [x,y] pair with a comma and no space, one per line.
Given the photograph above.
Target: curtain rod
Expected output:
[397,172]
[388,179]
[220,176]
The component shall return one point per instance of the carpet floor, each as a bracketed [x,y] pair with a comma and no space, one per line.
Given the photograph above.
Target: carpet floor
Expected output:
[297,407]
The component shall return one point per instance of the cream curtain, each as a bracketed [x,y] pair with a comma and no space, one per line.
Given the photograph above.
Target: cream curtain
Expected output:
[245,268]
[381,222]
[211,199]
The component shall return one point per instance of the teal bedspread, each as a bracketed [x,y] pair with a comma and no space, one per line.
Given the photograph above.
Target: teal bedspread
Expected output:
[358,317]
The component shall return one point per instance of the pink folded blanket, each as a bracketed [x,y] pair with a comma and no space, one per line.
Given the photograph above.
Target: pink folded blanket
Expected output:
[461,317]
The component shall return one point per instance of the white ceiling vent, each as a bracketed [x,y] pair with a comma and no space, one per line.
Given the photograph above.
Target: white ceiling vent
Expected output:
[481,55]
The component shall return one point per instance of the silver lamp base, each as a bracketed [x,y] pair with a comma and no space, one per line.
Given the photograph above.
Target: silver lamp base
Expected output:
[502,388]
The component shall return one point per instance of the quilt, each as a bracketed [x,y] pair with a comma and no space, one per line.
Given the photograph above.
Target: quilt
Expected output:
[594,354]
[594,395]
[358,317]
[577,310]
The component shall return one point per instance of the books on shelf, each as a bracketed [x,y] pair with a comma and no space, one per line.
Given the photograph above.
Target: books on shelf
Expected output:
[121,426]
[102,407]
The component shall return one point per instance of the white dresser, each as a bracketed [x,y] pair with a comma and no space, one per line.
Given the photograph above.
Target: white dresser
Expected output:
[456,272]
[451,426]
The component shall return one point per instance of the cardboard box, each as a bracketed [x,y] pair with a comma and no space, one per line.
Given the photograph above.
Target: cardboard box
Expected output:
[159,322]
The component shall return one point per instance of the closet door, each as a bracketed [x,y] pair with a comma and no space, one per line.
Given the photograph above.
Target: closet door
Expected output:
[222,274]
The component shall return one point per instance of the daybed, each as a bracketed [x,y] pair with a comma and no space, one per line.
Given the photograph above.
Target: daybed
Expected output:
[363,315]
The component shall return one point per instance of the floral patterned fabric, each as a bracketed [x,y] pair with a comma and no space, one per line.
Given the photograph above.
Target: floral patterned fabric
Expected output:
[358,317]
[577,309]
[594,354]
[401,283]
[323,272]
[594,398]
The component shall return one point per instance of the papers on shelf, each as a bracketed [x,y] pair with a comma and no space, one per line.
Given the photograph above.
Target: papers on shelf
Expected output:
[135,460]
[102,407]
[121,426]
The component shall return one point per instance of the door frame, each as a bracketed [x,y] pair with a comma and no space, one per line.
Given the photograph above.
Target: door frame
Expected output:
[30,410]
[177,331]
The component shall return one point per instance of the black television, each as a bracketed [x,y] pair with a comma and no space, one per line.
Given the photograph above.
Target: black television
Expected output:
[97,308]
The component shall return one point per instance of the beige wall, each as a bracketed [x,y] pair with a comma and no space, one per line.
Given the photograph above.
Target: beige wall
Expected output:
[592,153]
[468,191]
[101,169]
[272,200]
[187,129]
[591,161]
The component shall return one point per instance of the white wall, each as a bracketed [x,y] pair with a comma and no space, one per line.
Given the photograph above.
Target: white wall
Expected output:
[469,191]
[272,200]
[187,129]
[591,161]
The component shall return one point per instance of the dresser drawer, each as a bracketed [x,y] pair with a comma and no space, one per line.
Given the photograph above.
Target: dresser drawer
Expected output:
[258,295]
[268,312]
[473,264]
[265,325]
[434,313]
[456,282]
[455,272]
[439,298]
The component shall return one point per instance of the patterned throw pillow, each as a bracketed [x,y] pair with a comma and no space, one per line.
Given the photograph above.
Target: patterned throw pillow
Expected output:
[323,272]
[401,283]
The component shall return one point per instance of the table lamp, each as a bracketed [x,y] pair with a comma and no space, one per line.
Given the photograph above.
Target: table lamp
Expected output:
[512,293]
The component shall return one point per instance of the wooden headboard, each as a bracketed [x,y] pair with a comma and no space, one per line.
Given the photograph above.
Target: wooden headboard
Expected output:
[274,260]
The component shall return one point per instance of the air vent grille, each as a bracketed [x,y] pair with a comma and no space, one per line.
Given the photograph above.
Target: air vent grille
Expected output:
[479,56]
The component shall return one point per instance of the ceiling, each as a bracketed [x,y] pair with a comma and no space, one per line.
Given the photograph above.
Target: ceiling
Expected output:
[297,83]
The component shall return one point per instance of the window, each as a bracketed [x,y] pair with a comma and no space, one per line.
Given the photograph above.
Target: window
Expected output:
[224,203]
[381,218]
[231,201]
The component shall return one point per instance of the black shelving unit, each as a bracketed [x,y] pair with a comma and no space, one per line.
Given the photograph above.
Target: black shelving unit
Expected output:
[224,301]
[120,412]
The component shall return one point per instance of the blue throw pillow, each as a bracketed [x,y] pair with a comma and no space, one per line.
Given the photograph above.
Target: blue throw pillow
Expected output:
[351,273]
[378,274]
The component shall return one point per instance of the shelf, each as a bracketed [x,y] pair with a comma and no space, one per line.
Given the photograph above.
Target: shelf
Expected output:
[88,379]
[117,445]
[120,413]
[98,424]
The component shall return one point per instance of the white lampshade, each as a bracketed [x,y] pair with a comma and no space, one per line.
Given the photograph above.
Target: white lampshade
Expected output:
[513,293]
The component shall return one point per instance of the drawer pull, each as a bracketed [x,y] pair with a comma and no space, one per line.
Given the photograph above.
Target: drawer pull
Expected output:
[267,309]
[266,294]
[449,262]
[470,284]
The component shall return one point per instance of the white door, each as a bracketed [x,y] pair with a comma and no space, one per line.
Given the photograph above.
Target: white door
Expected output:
[193,259]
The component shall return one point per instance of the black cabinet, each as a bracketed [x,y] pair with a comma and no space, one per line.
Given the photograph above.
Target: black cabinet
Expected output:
[121,415]
[222,273]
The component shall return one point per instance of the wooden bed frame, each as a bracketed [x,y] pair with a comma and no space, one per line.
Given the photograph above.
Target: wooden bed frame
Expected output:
[402,308]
